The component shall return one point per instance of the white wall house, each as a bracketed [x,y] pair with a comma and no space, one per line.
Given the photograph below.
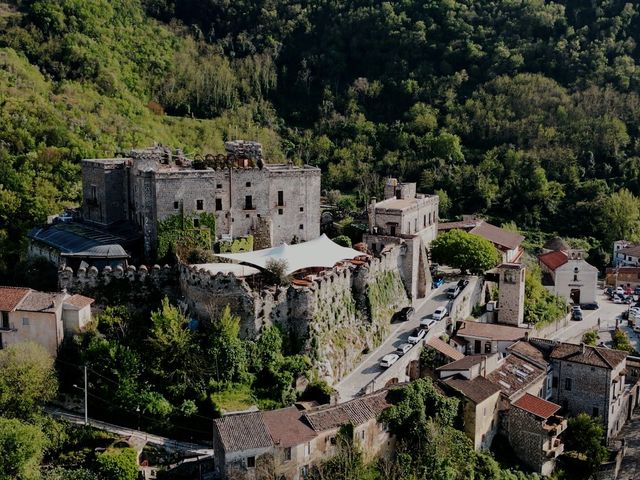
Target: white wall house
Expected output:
[568,275]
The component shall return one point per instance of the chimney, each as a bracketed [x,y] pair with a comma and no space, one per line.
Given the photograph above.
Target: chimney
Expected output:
[526,336]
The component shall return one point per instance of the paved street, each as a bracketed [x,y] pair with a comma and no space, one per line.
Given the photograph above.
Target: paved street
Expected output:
[630,468]
[369,368]
[607,314]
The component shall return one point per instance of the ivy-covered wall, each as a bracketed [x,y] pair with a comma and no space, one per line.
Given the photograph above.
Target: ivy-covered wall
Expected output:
[242,244]
[181,228]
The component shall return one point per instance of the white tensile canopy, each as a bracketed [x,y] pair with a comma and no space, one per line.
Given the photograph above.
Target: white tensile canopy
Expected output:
[320,252]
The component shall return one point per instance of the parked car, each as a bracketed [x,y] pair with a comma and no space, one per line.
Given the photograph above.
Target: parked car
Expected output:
[440,313]
[636,328]
[609,291]
[438,282]
[453,292]
[590,306]
[577,315]
[427,322]
[576,308]
[402,315]
[620,291]
[617,299]
[403,348]
[636,291]
[389,360]
[417,335]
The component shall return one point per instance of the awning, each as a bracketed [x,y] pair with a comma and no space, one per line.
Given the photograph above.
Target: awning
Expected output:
[320,252]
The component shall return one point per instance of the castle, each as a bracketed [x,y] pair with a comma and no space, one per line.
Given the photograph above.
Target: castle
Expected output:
[275,203]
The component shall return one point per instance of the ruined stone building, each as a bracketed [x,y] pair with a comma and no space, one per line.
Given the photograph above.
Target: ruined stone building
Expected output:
[275,203]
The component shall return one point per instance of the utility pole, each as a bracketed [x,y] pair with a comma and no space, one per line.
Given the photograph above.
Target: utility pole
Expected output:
[86,397]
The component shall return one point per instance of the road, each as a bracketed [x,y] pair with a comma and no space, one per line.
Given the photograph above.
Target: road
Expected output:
[195,449]
[607,314]
[369,367]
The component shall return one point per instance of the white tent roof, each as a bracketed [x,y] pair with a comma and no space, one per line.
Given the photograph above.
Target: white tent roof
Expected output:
[320,252]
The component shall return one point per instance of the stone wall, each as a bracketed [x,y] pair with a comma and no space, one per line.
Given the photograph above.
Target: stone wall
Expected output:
[342,314]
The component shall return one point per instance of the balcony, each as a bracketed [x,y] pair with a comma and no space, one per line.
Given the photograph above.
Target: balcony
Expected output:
[555,425]
[553,448]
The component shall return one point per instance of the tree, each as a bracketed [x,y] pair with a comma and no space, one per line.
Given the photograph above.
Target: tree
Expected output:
[465,251]
[621,341]
[117,464]
[343,240]
[585,435]
[28,379]
[21,449]
[590,337]
[277,270]
[620,216]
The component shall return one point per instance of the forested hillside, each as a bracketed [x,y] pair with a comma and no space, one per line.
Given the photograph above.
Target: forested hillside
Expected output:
[526,111]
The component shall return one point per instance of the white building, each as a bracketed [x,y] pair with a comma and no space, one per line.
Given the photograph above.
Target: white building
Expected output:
[568,275]
[626,254]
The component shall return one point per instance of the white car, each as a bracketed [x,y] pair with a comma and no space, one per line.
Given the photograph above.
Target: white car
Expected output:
[440,313]
[403,348]
[417,335]
[427,323]
[620,291]
[636,328]
[389,360]
[617,300]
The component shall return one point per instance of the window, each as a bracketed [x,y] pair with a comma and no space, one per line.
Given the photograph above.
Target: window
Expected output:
[251,462]
[218,204]
[280,211]
[176,205]
[555,382]
[248,202]
[280,198]
[362,434]
[307,449]
[415,224]
[487,347]
[424,221]
[5,320]
[287,453]
[575,278]
[219,185]
[248,184]
[25,321]
[94,192]
[567,384]
[196,222]
[302,209]
[429,218]
[333,440]
[595,412]
[304,471]
[199,204]
[246,216]
[301,227]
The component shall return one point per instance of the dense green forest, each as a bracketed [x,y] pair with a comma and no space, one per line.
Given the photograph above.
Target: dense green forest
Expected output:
[525,111]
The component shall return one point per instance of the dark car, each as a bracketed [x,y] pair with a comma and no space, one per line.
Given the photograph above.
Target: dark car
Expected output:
[590,306]
[576,315]
[402,315]
[438,282]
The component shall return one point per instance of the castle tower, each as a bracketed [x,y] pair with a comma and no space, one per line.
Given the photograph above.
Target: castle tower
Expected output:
[511,297]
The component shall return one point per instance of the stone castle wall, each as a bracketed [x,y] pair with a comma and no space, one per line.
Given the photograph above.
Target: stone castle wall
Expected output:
[334,320]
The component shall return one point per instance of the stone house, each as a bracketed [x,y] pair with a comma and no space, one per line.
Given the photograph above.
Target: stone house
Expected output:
[506,242]
[276,203]
[444,353]
[40,317]
[286,443]
[516,376]
[625,277]
[408,221]
[469,367]
[591,380]
[485,338]
[533,430]
[511,294]
[625,254]
[480,407]
[568,275]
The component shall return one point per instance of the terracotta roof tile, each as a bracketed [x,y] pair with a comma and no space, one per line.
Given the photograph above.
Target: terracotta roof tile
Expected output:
[631,250]
[287,427]
[36,301]
[554,260]
[497,235]
[243,431]
[528,351]
[632,270]
[10,297]
[356,411]
[462,225]
[464,363]
[536,405]
[515,374]
[79,301]
[594,356]
[476,390]
[444,348]
[491,331]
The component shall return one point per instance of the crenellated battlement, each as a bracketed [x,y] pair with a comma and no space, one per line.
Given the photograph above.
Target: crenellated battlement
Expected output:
[89,278]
